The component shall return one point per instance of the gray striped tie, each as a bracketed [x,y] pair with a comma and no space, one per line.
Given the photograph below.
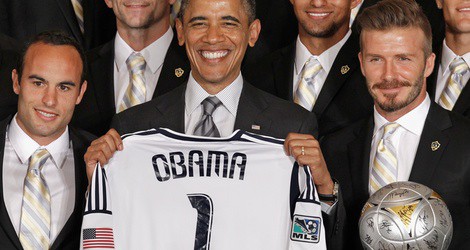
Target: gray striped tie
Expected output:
[384,169]
[454,85]
[36,209]
[305,93]
[136,91]
[206,126]
[78,9]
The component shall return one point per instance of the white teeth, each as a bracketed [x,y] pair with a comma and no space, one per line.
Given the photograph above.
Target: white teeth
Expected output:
[213,55]
[318,14]
[464,9]
[46,114]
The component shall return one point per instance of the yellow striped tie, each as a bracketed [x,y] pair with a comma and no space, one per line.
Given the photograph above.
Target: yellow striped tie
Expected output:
[36,209]
[78,9]
[454,85]
[136,91]
[384,169]
[305,93]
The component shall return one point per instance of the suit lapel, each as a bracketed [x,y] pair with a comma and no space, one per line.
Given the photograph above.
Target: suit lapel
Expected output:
[283,70]
[249,113]
[345,64]
[426,159]
[463,102]
[171,104]
[175,69]
[69,14]
[103,82]
[5,222]
[359,155]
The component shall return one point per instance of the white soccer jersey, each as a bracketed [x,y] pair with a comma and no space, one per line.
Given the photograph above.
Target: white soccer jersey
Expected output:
[167,190]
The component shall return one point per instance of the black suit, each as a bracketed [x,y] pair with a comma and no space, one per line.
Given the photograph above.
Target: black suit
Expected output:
[462,106]
[344,97]
[275,117]
[446,170]
[8,98]
[69,237]
[97,108]
[21,19]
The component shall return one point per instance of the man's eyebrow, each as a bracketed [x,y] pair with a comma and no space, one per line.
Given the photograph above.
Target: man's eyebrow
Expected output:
[231,18]
[197,18]
[36,77]
[69,83]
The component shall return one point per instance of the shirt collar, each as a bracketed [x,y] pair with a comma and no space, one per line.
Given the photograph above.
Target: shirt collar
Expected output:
[448,56]
[229,96]
[24,146]
[154,54]
[326,59]
[412,121]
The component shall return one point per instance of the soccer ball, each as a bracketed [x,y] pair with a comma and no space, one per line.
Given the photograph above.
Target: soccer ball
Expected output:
[405,215]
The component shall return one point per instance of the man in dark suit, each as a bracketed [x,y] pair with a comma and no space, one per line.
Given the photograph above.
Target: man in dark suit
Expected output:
[447,85]
[23,19]
[147,33]
[216,34]
[336,93]
[423,142]
[39,149]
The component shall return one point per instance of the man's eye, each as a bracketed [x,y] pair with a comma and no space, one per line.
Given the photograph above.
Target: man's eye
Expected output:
[64,87]
[38,83]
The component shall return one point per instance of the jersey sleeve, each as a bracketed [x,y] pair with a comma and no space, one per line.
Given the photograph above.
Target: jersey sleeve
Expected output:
[97,226]
[307,229]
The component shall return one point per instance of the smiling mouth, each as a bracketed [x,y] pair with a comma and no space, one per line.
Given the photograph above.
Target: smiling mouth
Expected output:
[214,54]
[323,14]
[45,114]
[135,5]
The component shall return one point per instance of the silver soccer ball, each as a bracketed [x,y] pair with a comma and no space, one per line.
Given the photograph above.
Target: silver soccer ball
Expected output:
[405,215]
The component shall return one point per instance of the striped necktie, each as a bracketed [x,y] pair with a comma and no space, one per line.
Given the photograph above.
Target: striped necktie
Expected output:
[36,209]
[78,9]
[136,91]
[206,126]
[454,84]
[305,94]
[384,169]
[175,9]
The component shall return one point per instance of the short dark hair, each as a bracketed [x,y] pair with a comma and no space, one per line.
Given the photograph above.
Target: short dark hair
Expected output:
[53,38]
[388,14]
[250,8]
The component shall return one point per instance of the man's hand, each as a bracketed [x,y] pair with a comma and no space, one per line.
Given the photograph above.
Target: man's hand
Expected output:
[306,151]
[101,150]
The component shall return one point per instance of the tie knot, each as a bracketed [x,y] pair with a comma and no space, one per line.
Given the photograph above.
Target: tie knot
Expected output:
[389,129]
[38,158]
[458,66]
[135,63]
[210,104]
[311,69]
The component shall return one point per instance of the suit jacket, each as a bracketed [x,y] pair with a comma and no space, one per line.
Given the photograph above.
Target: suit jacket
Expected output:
[446,170]
[97,108]
[275,117]
[343,99]
[69,237]
[8,98]
[21,19]
[462,106]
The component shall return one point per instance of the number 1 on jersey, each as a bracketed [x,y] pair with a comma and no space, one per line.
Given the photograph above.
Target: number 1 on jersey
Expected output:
[204,207]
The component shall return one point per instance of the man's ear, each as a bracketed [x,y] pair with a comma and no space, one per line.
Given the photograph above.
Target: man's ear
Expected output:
[16,81]
[179,31]
[82,92]
[254,29]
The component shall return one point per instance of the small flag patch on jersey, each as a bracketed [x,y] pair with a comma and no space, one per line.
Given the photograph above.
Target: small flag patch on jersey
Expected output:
[96,238]
[306,229]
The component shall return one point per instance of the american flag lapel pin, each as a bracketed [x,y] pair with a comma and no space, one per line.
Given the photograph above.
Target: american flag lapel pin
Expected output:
[255,127]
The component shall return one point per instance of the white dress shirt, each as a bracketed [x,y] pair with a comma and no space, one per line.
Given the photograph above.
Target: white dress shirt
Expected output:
[154,55]
[326,59]
[223,116]
[405,139]
[443,75]
[58,171]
